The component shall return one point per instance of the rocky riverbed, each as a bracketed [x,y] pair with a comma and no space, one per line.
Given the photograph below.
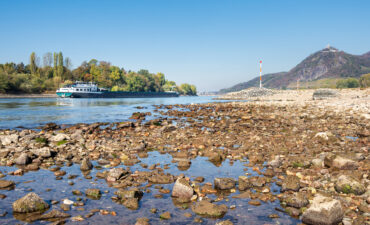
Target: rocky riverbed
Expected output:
[217,163]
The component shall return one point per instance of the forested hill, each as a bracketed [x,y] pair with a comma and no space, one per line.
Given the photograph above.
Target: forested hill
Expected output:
[326,63]
[56,71]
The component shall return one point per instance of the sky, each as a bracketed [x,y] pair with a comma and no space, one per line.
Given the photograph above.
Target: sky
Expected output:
[213,44]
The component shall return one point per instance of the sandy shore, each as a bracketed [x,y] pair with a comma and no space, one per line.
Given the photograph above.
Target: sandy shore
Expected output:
[28,96]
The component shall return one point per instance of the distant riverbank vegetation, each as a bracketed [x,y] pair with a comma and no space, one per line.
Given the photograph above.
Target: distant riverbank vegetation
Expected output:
[56,71]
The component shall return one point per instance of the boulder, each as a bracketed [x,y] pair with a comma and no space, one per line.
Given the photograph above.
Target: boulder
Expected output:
[323,211]
[276,162]
[297,200]
[207,209]
[243,183]
[131,203]
[8,139]
[86,165]
[182,189]
[5,184]
[93,193]
[30,203]
[290,183]
[23,159]
[42,152]
[59,137]
[339,162]
[347,184]
[54,214]
[115,174]
[224,183]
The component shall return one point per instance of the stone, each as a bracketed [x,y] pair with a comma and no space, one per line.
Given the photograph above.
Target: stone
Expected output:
[225,222]
[30,203]
[323,211]
[243,183]
[254,202]
[8,139]
[131,203]
[42,152]
[86,165]
[23,159]
[133,193]
[161,179]
[297,200]
[93,193]
[207,209]
[115,174]
[339,162]
[54,214]
[165,216]
[142,221]
[276,162]
[224,183]
[6,184]
[347,184]
[182,189]
[59,137]
[318,162]
[290,183]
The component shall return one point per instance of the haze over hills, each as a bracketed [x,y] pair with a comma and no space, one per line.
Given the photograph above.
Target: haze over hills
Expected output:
[326,63]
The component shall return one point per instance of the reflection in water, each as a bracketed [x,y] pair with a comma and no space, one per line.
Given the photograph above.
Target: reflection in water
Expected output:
[31,113]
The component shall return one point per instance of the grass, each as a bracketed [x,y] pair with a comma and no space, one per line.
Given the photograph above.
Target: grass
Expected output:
[41,140]
[62,142]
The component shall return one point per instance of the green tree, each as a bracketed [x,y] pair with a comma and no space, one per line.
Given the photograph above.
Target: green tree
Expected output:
[33,66]
[60,65]
[365,81]
[55,64]
[348,83]
[3,82]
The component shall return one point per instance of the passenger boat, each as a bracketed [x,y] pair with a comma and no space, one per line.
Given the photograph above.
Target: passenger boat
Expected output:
[91,90]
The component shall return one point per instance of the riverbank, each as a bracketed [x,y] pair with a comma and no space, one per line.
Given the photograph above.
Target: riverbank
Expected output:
[283,161]
[28,96]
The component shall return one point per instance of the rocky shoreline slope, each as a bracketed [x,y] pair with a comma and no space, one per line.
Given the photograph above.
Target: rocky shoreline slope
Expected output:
[313,159]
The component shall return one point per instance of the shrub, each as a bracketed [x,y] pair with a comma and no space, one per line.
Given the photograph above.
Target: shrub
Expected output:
[348,83]
[365,81]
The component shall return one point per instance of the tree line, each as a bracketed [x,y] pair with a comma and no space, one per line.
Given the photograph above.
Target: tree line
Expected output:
[56,71]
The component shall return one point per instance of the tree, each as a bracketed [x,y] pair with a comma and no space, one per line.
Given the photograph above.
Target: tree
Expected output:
[348,83]
[47,59]
[68,63]
[3,82]
[55,64]
[60,65]
[33,66]
[365,81]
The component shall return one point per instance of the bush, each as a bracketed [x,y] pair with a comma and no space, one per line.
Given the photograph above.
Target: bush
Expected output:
[348,83]
[365,81]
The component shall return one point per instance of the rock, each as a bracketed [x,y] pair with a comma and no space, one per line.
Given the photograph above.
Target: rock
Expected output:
[30,203]
[133,193]
[65,207]
[42,152]
[161,179]
[318,162]
[50,126]
[224,183]
[142,221]
[297,200]
[8,139]
[207,209]
[86,165]
[339,162]
[165,216]
[276,162]
[59,137]
[243,183]
[54,214]
[182,189]
[290,183]
[115,174]
[225,222]
[347,184]
[322,135]
[23,159]
[93,193]
[131,203]
[184,164]
[254,202]
[6,184]
[323,211]
[67,202]
[324,93]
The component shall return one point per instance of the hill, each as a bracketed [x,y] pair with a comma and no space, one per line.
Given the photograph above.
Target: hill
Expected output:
[326,63]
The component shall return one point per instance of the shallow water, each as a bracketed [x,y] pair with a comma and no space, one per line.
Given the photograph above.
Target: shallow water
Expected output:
[33,112]
[60,189]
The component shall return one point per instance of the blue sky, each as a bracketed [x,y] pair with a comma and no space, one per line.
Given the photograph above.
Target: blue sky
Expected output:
[212,44]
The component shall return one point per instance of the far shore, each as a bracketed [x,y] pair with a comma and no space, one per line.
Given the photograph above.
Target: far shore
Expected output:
[28,96]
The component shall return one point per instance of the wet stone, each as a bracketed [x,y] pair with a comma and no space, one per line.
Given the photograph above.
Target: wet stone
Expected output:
[30,203]
[165,216]
[224,183]
[93,193]
[86,165]
[6,184]
[207,209]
